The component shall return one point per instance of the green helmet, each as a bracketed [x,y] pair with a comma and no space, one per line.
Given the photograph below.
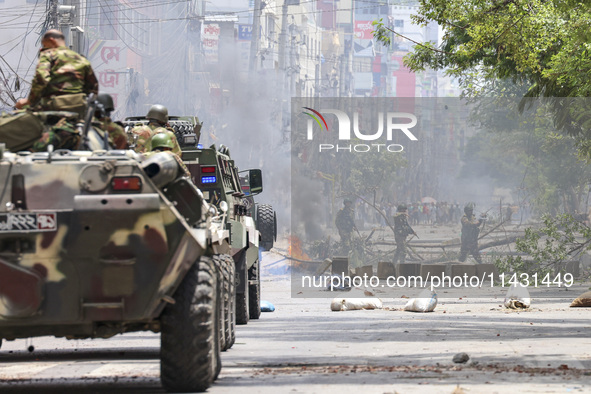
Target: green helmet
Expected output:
[469,207]
[158,112]
[401,207]
[162,140]
[107,102]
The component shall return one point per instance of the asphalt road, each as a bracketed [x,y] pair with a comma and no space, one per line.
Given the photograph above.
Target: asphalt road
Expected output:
[304,347]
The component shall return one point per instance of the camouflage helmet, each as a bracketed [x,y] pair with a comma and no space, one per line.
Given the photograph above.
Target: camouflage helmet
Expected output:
[469,207]
[158,112]
[401,207]
[347,201]
[162,140]
[106,101]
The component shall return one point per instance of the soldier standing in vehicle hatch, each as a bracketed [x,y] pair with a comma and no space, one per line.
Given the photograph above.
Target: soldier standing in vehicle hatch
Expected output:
[401,230]
[158,120]
[470,232]
[162,142]
[345,222]
[117,137]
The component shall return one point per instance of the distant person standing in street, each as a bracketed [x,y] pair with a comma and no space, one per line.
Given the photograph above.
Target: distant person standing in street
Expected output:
[401,230]
[470,232]
[345,222]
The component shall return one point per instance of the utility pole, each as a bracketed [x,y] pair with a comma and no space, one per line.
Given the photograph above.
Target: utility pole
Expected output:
[283,36]
[69,24]
[317,80]
[256,37]
[53,14]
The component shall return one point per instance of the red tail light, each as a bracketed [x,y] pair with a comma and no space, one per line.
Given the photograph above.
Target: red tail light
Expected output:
[208,169]
[127,183]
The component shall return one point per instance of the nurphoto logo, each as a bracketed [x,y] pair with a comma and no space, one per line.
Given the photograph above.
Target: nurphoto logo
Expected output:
[394,122]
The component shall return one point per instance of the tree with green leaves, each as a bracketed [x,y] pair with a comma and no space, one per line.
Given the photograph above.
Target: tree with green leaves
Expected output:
[543,47]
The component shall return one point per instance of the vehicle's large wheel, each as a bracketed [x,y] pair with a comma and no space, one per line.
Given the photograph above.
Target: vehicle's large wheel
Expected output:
[254,291]
[228,321]
[223,299]
[231,315]
[242,300]
[189,352]
[267,225]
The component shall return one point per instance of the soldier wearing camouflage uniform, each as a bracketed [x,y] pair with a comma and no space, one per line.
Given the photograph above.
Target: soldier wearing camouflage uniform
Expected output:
[162,142]
[401,230]
[470,232]
[117,136]
[345,222]
[61,135]
[67,75]
[158,119]
[60,72]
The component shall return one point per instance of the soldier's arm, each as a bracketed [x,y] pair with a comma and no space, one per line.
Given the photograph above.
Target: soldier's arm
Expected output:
[41,78]
[143,143]
[177,148]
[409,228]
[118,136]
[91,84]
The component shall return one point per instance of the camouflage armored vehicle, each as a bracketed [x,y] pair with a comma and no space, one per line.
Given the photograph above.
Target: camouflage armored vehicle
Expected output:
[93,244]
[215,173]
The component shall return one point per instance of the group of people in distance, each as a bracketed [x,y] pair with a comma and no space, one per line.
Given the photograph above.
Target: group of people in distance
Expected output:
[345,224]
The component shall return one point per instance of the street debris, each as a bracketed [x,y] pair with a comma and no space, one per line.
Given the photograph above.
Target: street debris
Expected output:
[425,302]
[582,301]
[424,370]
[352,304]
[517,297]
[266,306]
[339,287]
[461,358]
[458,389]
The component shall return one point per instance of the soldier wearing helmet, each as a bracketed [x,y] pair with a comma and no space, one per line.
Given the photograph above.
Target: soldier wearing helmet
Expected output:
[162,142]
[470,231]
[157,123]
[117,137]
[401,230]
[345,222]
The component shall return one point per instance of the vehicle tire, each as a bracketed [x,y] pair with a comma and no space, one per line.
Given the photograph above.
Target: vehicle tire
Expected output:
[222,296]
[189,352]
[254,292]
[267,225]
[242,301]
[231,315]
[228,312]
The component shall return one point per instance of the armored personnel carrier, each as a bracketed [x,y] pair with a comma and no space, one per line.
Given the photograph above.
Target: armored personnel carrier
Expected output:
[251,226]
[93,244]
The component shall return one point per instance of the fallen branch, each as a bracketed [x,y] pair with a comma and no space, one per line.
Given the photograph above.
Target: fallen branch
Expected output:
[508,240]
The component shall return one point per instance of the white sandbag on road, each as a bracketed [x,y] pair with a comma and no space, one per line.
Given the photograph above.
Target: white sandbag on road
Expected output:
[425,302]
[353,304]
[582,301]
[517,297]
